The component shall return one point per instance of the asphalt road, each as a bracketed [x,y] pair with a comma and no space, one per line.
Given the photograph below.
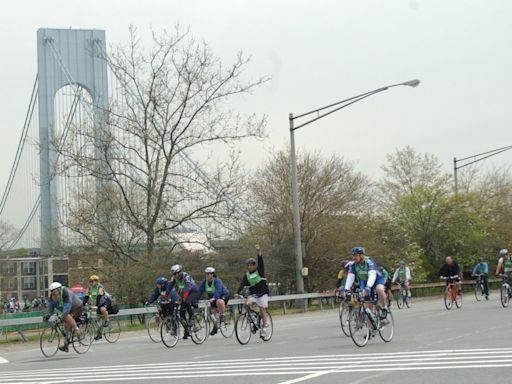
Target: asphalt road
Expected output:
[430,345]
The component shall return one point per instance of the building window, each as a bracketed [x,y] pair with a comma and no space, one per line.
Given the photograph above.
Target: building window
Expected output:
[9,268]
[43,283]
[28,283]
[43,267]
[28,268]
[11,284]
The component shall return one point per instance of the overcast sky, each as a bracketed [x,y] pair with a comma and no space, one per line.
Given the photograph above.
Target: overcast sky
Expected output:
[317,52]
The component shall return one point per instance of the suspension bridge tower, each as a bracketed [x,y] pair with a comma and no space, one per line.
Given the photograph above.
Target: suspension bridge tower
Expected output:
[66,57]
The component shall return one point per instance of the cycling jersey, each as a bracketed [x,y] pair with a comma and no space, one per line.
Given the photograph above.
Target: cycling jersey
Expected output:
[506,264]
[160,294]
[449,270]
[481,268]
[366,272]
[214,289]
[66,303]
[98,295]
[183,286]
[256,280]
[402,274]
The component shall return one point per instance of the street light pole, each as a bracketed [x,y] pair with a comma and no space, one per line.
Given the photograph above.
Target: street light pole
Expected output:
[293,160]
[476,158]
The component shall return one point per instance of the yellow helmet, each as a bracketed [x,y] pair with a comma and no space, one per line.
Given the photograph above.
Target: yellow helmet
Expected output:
[94,278]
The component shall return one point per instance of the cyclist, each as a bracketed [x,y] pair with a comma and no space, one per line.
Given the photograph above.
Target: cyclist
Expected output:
[450,271]
[370,278]
[255,279]
[188,292]
[482,269]
[63,299]
[97,294]
[387,283]
[217,293]
[504,265]
[164,301]
[403,274]
[342,275]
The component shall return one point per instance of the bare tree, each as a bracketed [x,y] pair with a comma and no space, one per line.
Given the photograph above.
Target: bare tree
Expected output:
[172,102]
[7,234]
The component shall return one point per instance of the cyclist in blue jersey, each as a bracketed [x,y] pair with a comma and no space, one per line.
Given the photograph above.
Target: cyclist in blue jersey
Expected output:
[166,301]
[482,269]
[217,293]
[370,278]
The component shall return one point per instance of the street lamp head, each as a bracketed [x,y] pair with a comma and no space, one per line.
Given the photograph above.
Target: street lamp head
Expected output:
[412,83]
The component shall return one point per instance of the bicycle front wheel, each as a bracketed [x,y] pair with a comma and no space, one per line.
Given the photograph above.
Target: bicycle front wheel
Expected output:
[387,328]
[344,315]
[153,326]
[199,331]
[478,292]
[170,331]
[407,299]
[243,329]
[112,331]
[458,298]
[227,327]
[82,339]
[400,299]
[359,327]
[504,296]
[448,299]
[266,332]
[49,341]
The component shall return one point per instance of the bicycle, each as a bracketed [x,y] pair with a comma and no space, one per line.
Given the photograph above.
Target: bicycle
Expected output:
[479,287]
[170,328]
[402,296]
[154,323]
[249,322]
[49,341]
[346,305]
[505,291]
[366,320]
[225,324]
[452,293]
[110,332]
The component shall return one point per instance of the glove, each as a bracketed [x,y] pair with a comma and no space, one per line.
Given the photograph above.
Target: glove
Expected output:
[367,291]
[165,296]
[46,317]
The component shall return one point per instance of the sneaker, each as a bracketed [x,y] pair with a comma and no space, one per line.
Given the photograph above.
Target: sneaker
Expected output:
[65,347]
[97,337]
[214,331]
[186,335]
[263,332]
[486,297]
[105,323]
[383,313]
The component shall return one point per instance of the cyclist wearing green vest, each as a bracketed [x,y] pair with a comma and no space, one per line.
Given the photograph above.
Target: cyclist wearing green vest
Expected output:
[481,268]
[63,299]
[187,290]
[258,288]
[403,275]
[370,278]
[97,294]
[217,293]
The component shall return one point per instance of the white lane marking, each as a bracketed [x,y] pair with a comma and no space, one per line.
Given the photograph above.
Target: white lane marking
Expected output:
[2,360]
[201,356]
[304,378]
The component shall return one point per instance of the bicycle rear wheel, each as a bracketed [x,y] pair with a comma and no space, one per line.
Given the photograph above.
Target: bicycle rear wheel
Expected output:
[49,341]
[112,331]
[170,331]
[448,299]
[458,298]
[227,327]
[359,327]
[504,295]
[199,331]
[478,291]
[344,316]
[153,326]
[266,332]
[243,328]
[82,339]
[387,328]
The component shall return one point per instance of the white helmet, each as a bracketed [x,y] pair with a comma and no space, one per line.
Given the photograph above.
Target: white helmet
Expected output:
[504,252]
[176,268]
[54,285]
[209,270]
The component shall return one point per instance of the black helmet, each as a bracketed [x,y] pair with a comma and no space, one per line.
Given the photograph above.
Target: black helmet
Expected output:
[250,261]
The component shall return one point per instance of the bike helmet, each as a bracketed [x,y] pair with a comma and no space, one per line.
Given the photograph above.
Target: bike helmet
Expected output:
[358,251]
[54,285]
[481,258]
[504,252]
[161,280]
[94,278]
[401,262]
[209,270]
[250,261]
[176,268]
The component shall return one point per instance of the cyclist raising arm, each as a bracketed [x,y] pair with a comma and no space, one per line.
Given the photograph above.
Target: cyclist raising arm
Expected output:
[258,288]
